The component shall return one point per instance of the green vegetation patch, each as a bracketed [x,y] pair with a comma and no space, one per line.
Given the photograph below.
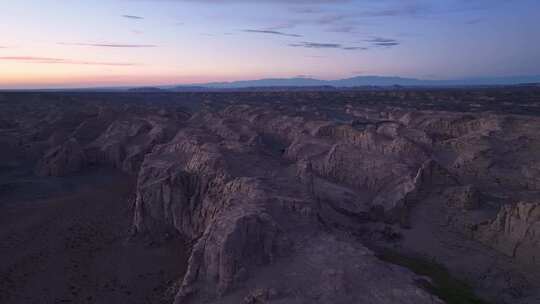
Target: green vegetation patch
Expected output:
[442,285]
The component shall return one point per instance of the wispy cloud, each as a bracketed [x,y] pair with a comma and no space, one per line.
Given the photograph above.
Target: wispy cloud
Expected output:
[373,43]
[337,20]
[110,45]
[382,42]
[354,48]
[317,45]
[271,32]
[52,60]
[331,18]
[410,9]
[387,44]
[133,17]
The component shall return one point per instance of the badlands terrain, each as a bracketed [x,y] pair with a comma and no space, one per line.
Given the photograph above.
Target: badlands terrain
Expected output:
[384,196]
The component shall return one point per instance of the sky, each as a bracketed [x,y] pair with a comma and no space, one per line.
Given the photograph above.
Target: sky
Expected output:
[87,43]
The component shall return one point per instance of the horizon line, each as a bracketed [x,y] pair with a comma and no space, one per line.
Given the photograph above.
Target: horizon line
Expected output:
[208,84]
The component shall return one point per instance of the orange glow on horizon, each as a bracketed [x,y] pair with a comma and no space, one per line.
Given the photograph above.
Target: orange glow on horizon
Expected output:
[60,76]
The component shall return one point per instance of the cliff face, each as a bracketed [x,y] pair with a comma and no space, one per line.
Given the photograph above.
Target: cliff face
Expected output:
[109,137]
[248,206]
[243,181]
[377,160]
[515,232]
[62,160]
[125,142]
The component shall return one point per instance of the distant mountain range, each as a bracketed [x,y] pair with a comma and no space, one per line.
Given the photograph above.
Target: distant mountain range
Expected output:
[360,81]
[312,84]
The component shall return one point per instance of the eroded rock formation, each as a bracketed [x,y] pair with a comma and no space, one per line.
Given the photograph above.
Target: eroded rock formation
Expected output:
[62,160]
[248,207]
[281,201]
[515,232]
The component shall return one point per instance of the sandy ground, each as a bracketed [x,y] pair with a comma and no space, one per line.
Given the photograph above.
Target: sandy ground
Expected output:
[66,241]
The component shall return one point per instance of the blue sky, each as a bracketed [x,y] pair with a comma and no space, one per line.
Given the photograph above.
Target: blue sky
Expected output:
[50,43]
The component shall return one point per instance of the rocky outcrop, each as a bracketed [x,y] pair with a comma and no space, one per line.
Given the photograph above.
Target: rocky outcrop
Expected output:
[62,160]
[349,273]
[515,232]
[378,161]
[247,210]
[230,251]
[126,141]
[462,197]
[188,185]
[109,136]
